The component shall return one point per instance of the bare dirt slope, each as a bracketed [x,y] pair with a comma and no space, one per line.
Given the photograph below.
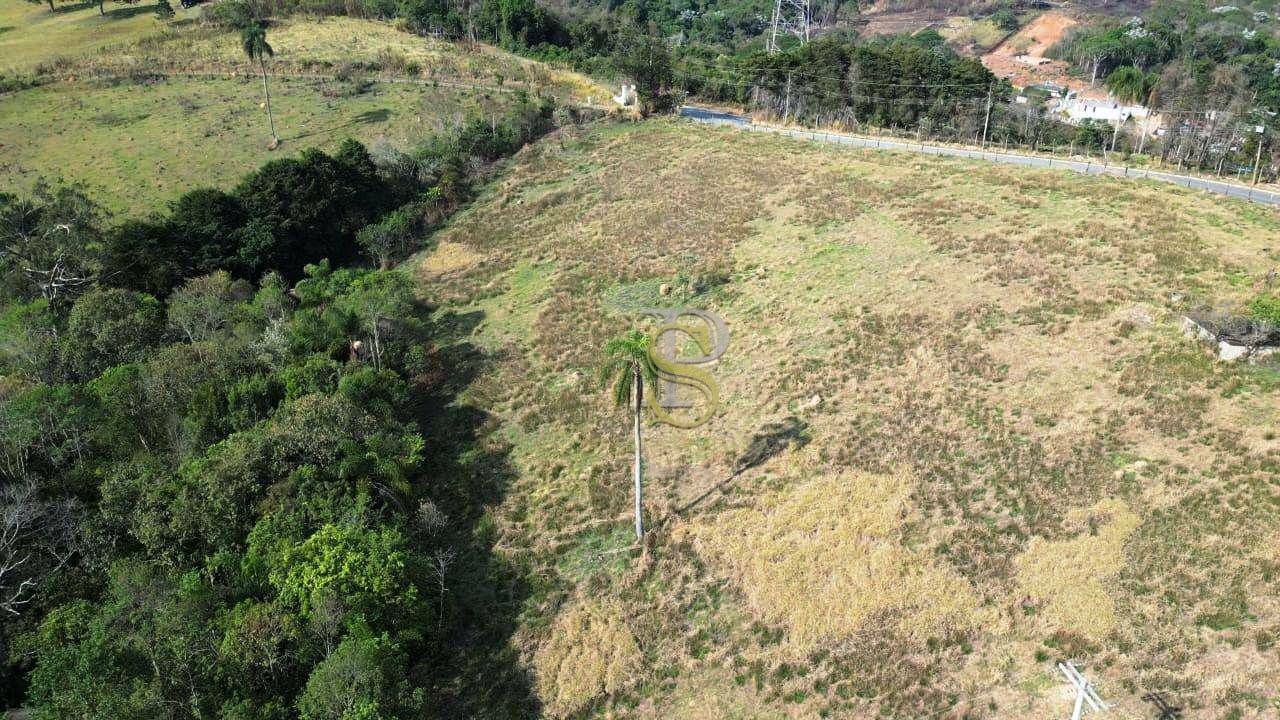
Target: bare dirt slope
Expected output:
[1031,43]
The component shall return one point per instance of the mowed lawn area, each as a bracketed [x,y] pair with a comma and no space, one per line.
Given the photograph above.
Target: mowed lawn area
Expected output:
[137,145]
[960,434]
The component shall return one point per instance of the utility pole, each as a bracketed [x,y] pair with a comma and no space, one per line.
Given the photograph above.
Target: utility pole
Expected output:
[786,111]
[1257,157]
[987,120]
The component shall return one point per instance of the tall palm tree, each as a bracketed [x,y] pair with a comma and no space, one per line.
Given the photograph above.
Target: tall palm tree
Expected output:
[629,367]
[254,41]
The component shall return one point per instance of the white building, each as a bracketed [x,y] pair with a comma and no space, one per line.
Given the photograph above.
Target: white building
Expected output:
[1076,110]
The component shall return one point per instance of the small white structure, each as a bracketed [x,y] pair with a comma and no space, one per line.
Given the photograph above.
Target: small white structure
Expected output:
[1086,695]
[627,96]
[1077,110]
[1032,60]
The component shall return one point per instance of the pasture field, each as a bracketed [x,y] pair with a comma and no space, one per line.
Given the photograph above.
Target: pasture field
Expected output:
[960,436]
[149,110]
[30,34]
[137,145]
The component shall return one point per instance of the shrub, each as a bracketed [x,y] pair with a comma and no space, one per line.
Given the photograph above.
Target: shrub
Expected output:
[1266,308]
[1006,20]
[229,14]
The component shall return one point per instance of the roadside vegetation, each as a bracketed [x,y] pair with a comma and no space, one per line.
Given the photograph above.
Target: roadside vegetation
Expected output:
[1212,71]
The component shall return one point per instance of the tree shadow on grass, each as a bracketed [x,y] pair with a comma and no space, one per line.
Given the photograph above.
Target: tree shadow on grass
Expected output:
[128,12]
[476,671]
[73,7]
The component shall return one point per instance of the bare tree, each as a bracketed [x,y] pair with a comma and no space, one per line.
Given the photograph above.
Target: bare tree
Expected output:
[441,560]
[37,538]
[47,239]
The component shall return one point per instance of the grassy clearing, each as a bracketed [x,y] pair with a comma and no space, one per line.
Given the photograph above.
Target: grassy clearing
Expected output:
[30,34]
[137,145]
[138,140]
[323,45]
[969,35]
[954,375]
[824,556]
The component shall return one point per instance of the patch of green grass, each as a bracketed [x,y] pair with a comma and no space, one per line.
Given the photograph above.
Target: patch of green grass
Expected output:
[35,35]
[138,145]
[599,551]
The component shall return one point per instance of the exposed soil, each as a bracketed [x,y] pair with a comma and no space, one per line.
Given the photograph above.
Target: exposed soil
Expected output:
[1032,42]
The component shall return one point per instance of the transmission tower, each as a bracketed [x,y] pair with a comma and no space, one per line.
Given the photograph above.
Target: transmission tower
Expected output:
[789,16]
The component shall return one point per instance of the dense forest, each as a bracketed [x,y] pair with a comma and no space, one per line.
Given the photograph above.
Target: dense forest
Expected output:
[234,483]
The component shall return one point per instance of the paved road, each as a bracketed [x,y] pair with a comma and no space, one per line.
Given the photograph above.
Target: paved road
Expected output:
[716,117]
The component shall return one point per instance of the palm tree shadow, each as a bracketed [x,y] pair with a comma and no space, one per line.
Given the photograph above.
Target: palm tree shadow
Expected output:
[474,671]
[368,117]
[767,443]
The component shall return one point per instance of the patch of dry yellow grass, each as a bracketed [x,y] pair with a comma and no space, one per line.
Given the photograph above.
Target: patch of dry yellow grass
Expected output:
[591,652]
[823,556]
[449,257]
[1069,576]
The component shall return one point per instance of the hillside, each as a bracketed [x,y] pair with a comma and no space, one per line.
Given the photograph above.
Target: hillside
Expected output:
[960,435]
[177,105]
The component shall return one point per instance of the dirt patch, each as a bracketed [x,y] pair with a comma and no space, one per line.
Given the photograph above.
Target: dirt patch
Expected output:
[1021,57]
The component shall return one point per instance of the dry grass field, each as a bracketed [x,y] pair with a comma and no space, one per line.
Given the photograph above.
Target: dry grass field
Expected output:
[961,436]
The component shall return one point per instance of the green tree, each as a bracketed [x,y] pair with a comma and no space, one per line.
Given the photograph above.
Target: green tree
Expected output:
[1130,84]
[646,59]
[205,307]
[369,570]
[108,326]
[362,679]
[253,40]
[389,239]
[378,299]
[629,368]
[50,241]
